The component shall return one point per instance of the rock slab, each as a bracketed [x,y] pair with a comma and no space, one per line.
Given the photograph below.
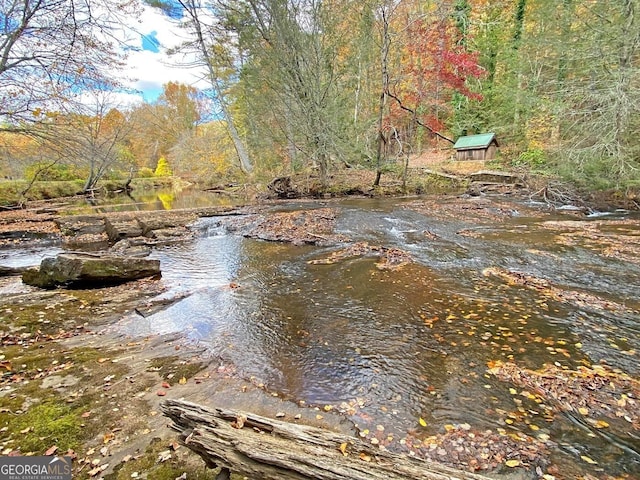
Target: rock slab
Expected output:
[83,270]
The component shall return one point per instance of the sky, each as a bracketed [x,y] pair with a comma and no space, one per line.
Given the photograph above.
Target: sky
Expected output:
[148,65]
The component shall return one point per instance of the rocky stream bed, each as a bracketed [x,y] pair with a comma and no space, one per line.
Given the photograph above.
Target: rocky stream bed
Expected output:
[72,383]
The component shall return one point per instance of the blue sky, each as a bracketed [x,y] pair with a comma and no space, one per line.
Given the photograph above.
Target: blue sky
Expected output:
[148,65]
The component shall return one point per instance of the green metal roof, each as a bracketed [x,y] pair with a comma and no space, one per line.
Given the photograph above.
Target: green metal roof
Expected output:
[482,140]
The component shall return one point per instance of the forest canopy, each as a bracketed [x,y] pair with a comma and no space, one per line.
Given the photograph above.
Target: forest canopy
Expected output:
[298,84]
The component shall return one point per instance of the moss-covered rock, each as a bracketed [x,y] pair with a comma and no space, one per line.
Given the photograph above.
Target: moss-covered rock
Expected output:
[79,270]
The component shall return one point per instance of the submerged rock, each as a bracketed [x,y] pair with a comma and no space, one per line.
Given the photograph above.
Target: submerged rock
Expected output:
[82,270]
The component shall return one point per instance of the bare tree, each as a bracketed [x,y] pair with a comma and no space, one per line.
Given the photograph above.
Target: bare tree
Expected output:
[52,49]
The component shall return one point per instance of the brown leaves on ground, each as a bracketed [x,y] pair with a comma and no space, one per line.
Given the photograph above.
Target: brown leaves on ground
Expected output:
[389,258]
[298,227]
[592,392]
[545,287]
[25,225]
[473,450]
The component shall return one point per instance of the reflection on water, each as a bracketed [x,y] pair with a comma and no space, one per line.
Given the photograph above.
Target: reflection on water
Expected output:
[412,343]
[150,200]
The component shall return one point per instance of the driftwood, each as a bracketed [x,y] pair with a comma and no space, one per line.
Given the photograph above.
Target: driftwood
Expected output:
[260,447]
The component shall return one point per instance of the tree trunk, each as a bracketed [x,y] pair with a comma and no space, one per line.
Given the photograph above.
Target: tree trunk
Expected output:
[259,447]
[243,155]
[384,65]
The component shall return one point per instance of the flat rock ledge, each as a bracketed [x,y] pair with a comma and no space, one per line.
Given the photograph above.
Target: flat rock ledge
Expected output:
[85,270]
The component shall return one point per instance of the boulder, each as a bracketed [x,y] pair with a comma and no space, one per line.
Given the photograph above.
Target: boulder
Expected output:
[119,228]
[84,270]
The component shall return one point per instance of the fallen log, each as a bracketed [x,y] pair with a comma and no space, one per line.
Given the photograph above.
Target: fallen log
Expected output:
[260,447]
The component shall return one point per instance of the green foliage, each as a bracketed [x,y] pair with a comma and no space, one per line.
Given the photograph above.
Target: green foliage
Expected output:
[52,173]
[535,159]
[163,169]
[145,172]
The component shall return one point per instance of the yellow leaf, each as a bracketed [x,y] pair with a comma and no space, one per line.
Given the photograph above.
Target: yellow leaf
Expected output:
[583,411]
[601,424]
[534,427]
[513,391]
[588,460]
[449,427]
[182,381]
[546,476]
[364,457]
[512,463]
[422,422]
[343,448]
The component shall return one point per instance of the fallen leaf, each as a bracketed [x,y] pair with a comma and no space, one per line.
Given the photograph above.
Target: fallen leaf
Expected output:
[512,463]
[422,422]
[164,456]
[343,448]
[51,450]
[182,381]
[364,457]
[280,415]
[588,460]
[166,385]
[239,423]
[161,393]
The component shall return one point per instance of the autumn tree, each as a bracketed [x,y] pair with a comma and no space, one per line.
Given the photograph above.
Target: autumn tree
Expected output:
[210,45]
[158,128]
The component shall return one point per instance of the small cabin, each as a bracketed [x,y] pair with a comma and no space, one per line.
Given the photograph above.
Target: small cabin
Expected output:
[476,147]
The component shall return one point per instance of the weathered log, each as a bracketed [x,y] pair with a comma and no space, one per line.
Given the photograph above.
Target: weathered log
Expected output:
[260,447]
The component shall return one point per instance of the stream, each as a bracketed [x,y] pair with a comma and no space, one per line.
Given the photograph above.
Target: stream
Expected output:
[405,351]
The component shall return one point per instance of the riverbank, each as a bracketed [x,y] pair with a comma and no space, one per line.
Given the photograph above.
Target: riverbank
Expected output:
[430,173]
[72,385]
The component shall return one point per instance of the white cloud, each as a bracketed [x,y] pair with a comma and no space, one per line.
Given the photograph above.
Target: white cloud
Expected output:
[147,71]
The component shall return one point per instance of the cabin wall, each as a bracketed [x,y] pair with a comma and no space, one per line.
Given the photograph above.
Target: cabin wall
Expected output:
[471,154]
[488,153]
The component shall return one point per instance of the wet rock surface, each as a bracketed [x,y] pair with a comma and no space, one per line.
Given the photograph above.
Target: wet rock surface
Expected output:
[81,270]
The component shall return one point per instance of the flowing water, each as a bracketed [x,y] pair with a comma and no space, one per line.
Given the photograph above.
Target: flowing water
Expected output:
[402,345]
[408,349]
